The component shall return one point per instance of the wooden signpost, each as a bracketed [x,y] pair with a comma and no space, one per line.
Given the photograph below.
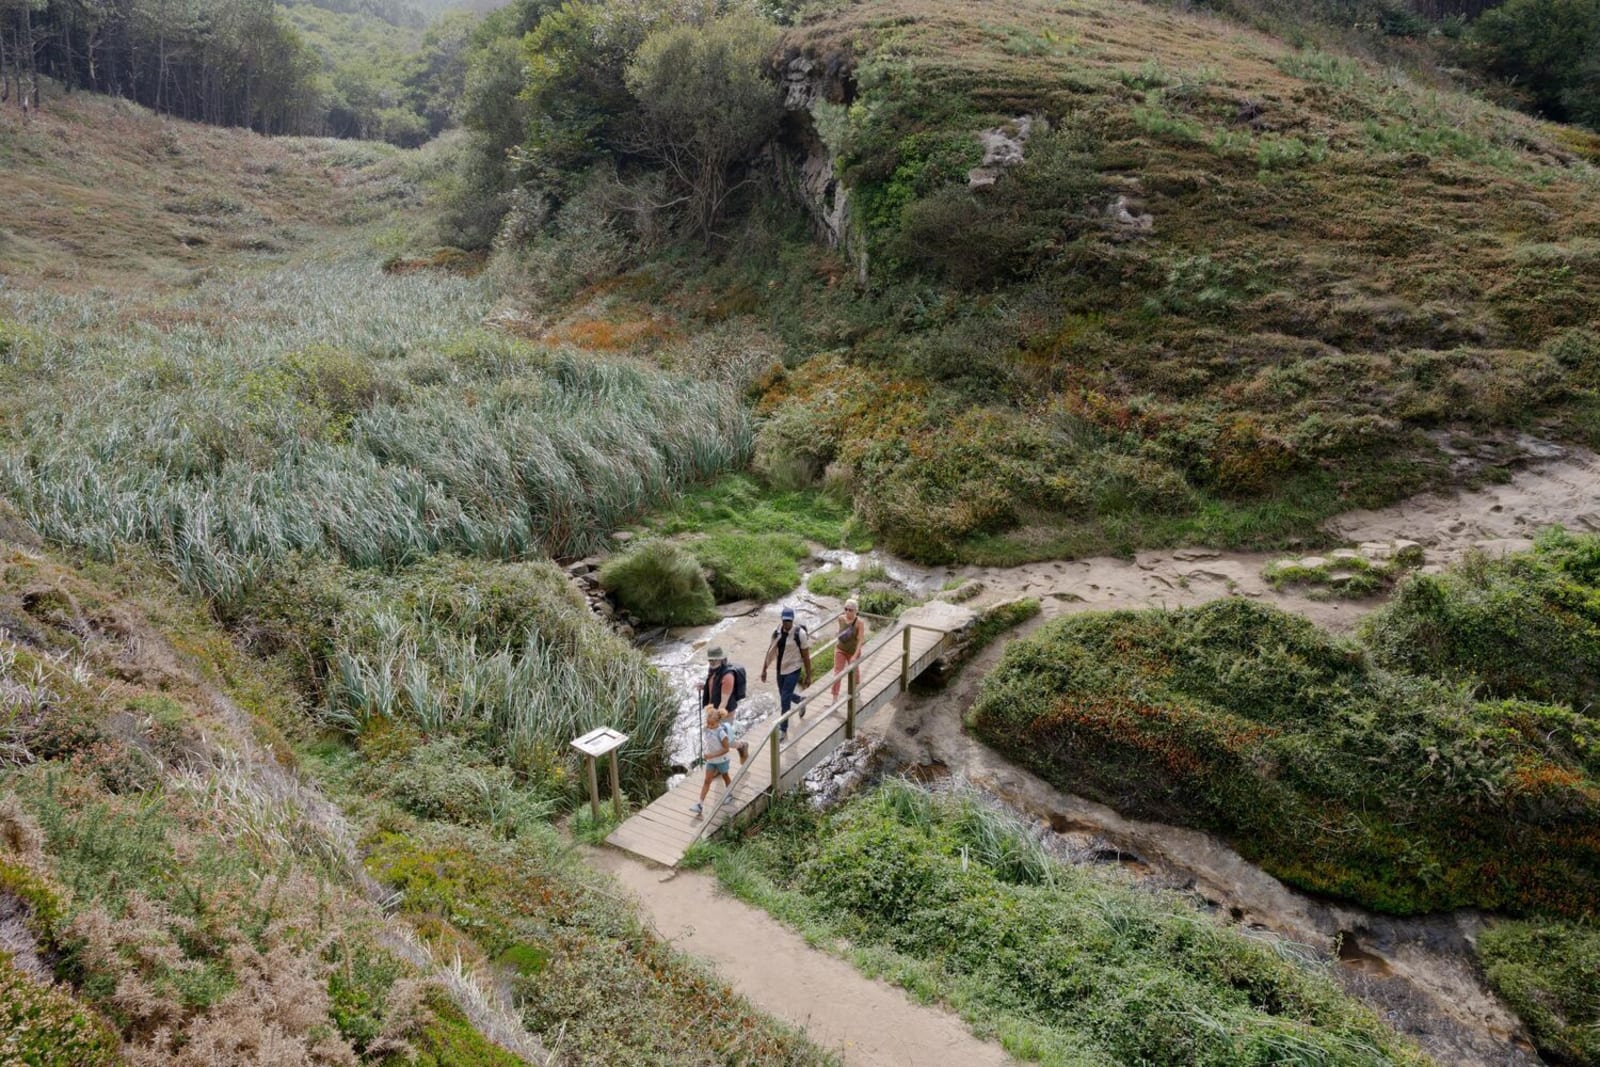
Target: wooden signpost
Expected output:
[594,744]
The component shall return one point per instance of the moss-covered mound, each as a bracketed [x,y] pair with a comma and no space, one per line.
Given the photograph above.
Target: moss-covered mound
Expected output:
[1526,625]
[1400,792]
[1230,287]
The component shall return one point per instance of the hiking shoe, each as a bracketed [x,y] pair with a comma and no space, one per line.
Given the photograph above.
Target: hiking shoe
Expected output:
[696,809]
[744,751]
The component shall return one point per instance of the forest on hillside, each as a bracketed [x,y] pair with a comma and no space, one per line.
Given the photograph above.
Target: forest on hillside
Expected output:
[371,69]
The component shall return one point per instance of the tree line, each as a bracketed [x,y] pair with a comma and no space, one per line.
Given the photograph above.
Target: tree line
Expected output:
[237,63]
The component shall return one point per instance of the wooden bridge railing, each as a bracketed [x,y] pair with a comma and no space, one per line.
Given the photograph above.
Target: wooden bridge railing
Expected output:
[860,699]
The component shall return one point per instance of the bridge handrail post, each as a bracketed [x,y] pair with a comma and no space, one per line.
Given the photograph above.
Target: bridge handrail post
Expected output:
[905,658]
[777,761]
[852,686]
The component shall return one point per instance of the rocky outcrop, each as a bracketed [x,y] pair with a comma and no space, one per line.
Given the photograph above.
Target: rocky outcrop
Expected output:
[1003,147]
[585,577]
[815,94]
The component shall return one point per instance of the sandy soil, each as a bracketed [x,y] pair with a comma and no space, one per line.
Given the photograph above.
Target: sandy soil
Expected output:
[870,1023]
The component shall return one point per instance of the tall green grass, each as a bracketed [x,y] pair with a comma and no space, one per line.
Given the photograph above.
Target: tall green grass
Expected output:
[334,411]
[961,902]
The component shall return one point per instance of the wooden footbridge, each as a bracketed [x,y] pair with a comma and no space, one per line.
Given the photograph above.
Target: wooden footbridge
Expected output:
[664,830]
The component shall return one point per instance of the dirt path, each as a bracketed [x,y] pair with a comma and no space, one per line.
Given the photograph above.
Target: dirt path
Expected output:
[870,1023]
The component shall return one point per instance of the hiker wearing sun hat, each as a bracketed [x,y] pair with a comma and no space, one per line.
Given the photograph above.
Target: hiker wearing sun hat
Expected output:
[790,650]
[723,688]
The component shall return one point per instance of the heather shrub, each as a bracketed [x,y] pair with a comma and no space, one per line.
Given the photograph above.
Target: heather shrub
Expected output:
[1402,792]
[1550,975]
[661,582]
[1526,626]
[42,1025]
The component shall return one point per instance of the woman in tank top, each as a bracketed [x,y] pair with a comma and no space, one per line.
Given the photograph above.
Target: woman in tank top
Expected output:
[847,646]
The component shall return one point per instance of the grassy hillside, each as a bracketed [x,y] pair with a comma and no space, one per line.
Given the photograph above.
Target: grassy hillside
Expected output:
[1232,287]
[100,191]
[330,489]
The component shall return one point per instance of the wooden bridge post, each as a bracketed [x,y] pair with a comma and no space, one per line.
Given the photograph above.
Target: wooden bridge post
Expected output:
[777,761]
[905,658]
[852,683]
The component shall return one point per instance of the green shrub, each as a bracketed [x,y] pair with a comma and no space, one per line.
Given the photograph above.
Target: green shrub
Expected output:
[660,582]
[1550,975]
[1526,626]
[750,566]
[446,781]
[963,903]
[1545,47]
[1400,792]
[43,1026]
[448,1039]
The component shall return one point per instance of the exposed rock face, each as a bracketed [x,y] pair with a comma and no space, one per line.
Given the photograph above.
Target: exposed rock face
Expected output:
[1003,147]
[805,163]
[1128,220]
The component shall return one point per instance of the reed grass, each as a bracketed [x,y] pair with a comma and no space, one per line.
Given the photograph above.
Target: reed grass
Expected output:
[329,411]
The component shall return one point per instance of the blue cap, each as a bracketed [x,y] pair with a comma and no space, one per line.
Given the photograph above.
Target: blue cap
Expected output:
[786,613]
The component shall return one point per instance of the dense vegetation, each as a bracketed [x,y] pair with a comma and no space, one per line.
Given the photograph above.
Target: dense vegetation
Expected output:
[1550,975]
[1402,792]
[1232,287]
[1063,964]
[198,905]
[306,411]
[1414,771]
[1526,626]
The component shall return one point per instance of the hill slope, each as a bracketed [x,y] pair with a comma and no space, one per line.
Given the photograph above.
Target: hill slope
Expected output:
[1229,289]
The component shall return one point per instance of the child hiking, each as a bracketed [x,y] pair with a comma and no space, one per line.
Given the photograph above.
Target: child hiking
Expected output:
[714,744]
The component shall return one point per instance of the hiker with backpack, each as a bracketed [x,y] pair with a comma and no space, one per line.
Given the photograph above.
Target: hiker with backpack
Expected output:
[791,651]
[722,690]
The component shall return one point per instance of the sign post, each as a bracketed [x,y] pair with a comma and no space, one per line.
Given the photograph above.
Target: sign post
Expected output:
[603,741]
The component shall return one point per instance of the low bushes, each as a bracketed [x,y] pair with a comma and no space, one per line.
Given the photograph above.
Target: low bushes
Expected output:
[1550,975]
[660,582]
[1401,792]
[1062,964]
[43,1026]
[503,655]
[1526,626]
